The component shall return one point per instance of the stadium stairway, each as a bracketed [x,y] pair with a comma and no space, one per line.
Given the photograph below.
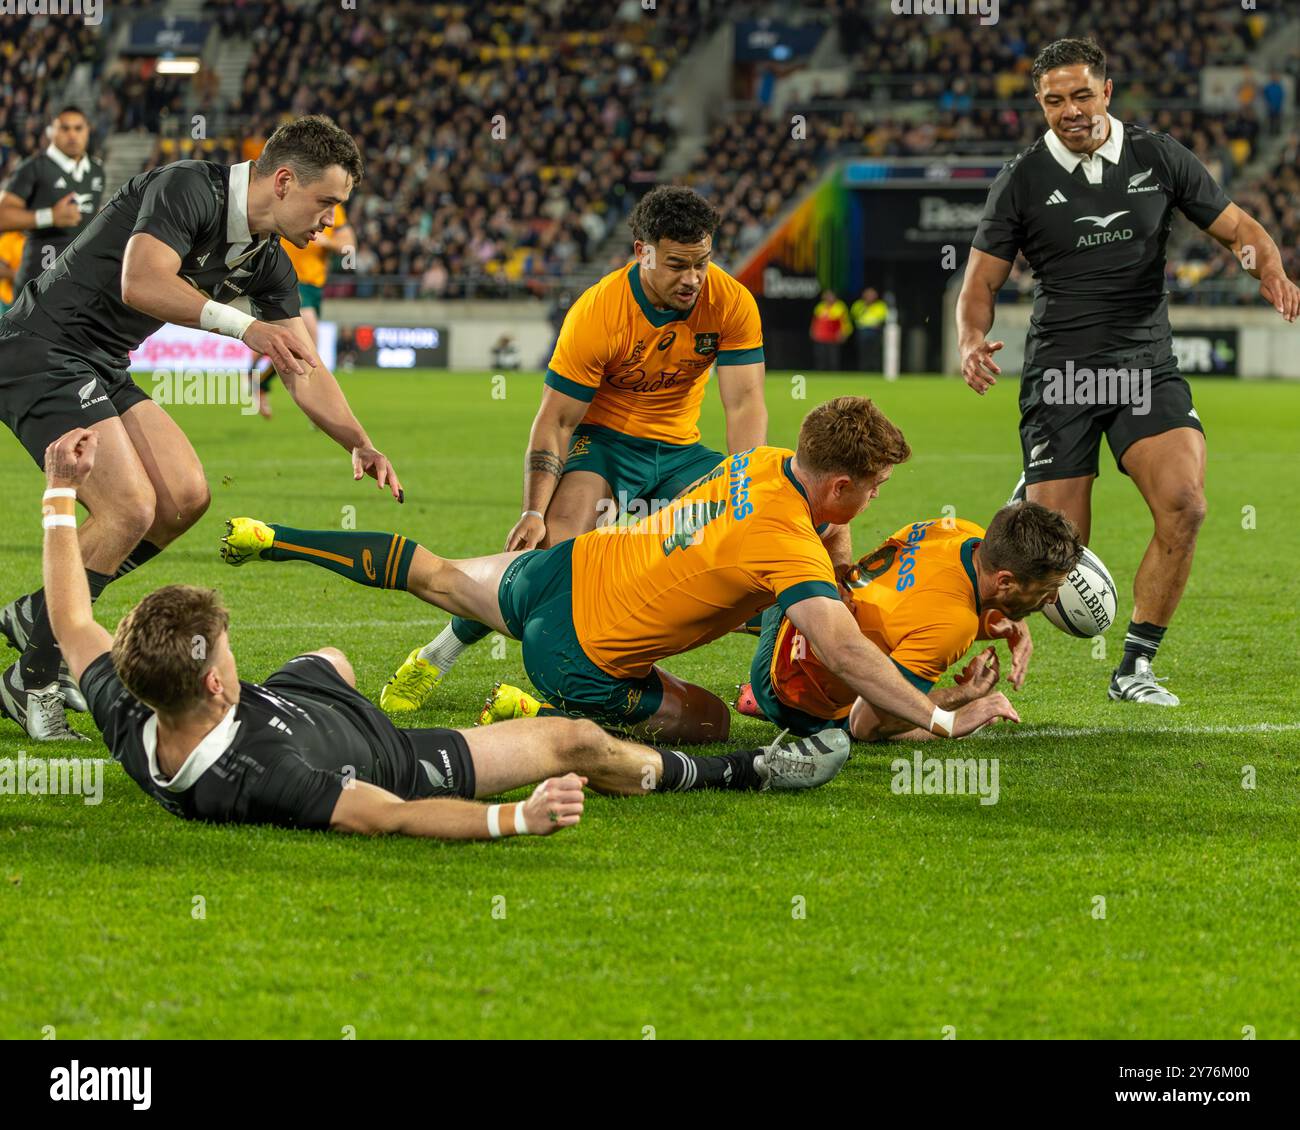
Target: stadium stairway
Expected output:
[125,155]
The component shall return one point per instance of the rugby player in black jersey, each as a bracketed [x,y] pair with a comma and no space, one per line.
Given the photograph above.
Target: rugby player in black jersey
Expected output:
[1090,205]
[183,243]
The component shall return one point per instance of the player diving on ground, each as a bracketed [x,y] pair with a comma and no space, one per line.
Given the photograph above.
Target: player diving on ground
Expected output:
[596,614]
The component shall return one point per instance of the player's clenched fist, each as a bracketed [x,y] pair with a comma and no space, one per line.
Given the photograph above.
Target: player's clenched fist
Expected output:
[283,346]
[70,458]
[67,212]
[556,803]
[978,367]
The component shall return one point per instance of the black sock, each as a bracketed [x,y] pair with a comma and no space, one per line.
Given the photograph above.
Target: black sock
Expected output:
[684,771]
[145,551]
[39,664]
[1140,643]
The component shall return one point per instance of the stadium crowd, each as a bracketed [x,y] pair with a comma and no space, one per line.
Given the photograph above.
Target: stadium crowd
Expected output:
[499,160]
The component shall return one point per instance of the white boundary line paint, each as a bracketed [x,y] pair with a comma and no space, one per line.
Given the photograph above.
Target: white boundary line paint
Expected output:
[1003,731]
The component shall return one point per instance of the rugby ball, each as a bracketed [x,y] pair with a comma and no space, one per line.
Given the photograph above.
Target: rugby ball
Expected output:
[1085,604]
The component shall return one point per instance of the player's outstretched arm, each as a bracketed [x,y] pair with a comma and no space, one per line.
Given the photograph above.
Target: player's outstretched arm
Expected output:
[977,679]
[833,633]
[368,810]
[1254,248]
[741,390]
[68,463]
[317,393]
[548,443]
[985,275]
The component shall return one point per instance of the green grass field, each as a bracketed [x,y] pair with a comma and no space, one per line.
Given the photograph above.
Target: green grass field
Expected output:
[677,913]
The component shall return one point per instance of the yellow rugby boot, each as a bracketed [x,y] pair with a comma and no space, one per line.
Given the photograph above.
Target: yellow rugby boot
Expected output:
[507,702]
[246,540]
[411,685]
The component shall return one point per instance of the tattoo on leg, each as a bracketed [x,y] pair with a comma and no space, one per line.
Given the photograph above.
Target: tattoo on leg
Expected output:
[546,461]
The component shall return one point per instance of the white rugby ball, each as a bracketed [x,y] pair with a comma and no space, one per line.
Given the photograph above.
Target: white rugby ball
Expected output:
[1085,604]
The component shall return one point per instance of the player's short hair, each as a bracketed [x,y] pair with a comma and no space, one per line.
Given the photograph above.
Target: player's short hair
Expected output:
[70,110]
[1069,53]
[1032,541]
[309,146]
[850,436]
[166,643]
[673,211]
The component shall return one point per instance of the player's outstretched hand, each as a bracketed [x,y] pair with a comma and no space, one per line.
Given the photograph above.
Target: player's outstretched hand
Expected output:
[70,458]
[1282,293]
[284,346]
[1016,633]
[527,533]
[556,803]
[368,461]
[978,714]
[978,367]
[980,675]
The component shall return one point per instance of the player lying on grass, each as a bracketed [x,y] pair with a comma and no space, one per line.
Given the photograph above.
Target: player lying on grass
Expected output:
[596,614]
[307,750]
[922,598]
[623,395]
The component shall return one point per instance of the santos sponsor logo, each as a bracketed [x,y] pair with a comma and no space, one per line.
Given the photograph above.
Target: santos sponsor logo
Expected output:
[1129,387]
[951,776]
[102,1084]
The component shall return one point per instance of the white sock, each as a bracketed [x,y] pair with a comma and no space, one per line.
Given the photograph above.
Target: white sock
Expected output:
[443,650]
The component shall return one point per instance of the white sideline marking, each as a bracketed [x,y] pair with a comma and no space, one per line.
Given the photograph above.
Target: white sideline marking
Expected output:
[1003,731]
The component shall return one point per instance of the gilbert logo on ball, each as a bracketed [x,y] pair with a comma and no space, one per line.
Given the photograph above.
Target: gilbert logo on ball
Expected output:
[1085,605]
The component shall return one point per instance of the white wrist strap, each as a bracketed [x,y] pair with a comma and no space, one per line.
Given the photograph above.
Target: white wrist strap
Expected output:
[494,821]
[44,218]
[531,513]
[217,317]
[50,519]
[942,721]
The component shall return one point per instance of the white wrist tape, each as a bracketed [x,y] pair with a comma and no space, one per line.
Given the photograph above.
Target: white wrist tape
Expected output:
[52,520]
[44,218]
[533,513]
[59,492]
[217,317]
[942,721]
[494,821]
[521,825]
